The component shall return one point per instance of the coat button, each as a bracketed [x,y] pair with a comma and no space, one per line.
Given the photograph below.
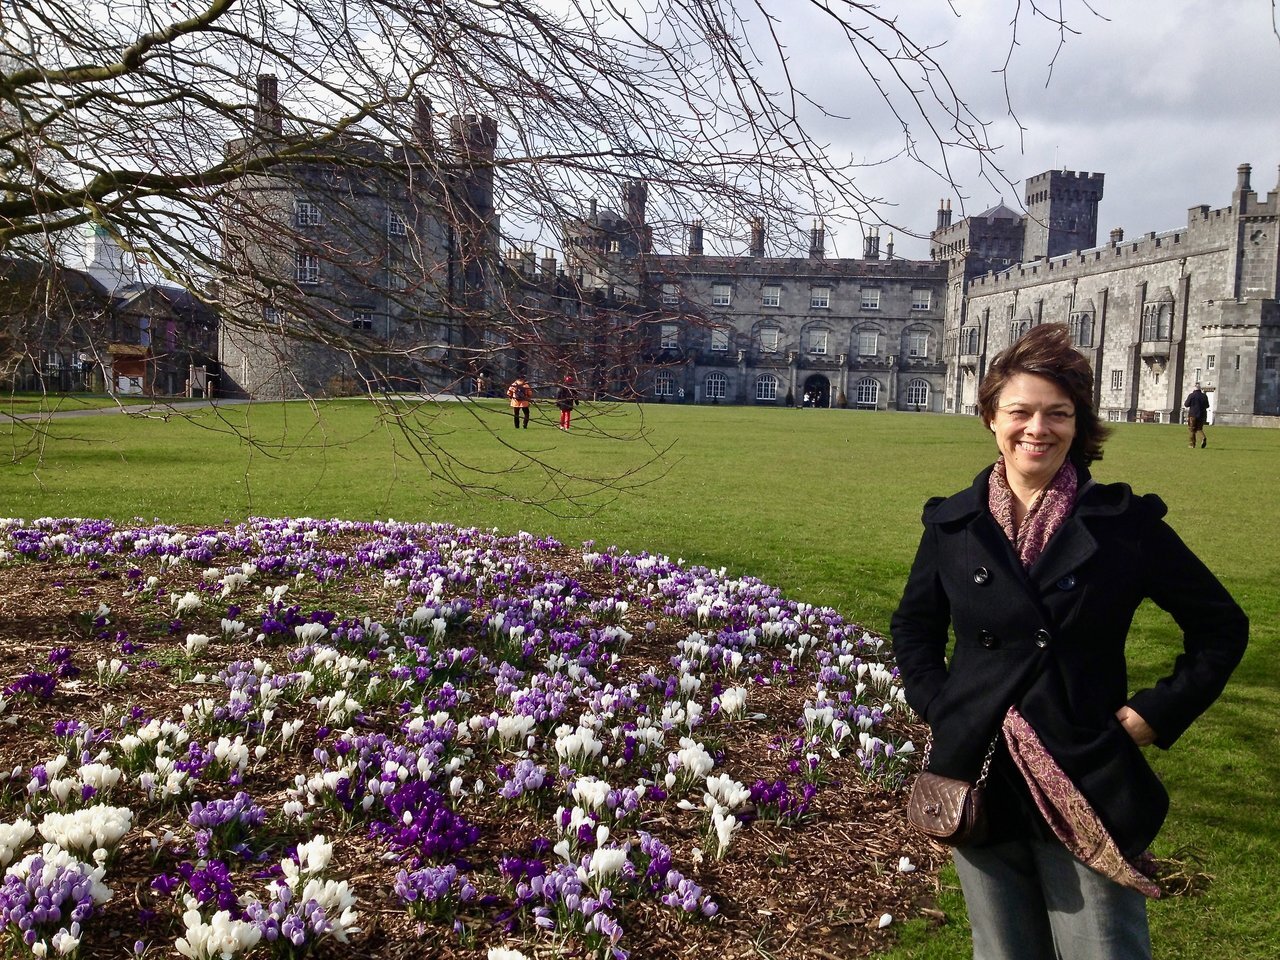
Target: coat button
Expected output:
[1042,638]
[1068,582]
[981,575]
[987,638]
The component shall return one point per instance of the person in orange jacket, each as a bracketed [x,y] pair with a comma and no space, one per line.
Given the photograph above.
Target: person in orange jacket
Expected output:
[521,395]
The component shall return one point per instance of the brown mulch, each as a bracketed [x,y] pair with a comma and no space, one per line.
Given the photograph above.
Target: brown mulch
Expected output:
[815,889]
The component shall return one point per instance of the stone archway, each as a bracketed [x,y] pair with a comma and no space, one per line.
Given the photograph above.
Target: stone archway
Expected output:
[818,389]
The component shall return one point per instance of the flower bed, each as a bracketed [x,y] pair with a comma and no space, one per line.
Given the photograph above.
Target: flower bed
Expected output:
[294,735]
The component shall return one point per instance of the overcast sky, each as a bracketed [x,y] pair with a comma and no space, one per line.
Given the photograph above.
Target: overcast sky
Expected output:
[1166,97]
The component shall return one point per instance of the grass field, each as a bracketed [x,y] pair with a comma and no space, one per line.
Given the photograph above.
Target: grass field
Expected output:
[17,404]
[823,503]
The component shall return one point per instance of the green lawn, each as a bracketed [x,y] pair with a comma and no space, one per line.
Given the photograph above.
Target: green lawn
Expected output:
[17,404]
[823,503]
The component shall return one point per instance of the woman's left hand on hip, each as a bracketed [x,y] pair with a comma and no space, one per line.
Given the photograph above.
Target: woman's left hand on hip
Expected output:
[1141,731]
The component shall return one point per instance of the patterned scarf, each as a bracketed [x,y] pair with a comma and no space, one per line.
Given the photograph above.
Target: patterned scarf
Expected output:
[1070,816]
[1048,510]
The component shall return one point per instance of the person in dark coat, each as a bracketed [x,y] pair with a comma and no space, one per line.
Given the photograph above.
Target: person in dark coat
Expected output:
[566,400]
[1037,569]
[1197,405]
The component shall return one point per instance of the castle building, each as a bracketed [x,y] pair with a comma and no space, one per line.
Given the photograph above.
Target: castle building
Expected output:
[1154,315]
[759,329]
[357,264]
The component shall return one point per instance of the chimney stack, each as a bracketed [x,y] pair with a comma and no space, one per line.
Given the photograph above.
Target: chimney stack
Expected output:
[757,237]
[548,266]
[695,238]
[871,245]
[266,115]
[634,195]
[944,214]
[422,122]
[1117,234]
[1242,178]
[888,255]
[816,241]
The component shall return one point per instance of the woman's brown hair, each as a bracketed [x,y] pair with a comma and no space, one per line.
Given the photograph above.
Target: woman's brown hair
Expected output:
[1046,351]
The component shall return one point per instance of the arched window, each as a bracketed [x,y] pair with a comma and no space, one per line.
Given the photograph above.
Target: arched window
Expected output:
[767,387]
[969,341]
[716,386]
[867,392]
[1081,327]
[1156,321]
[918,393]
[664,385]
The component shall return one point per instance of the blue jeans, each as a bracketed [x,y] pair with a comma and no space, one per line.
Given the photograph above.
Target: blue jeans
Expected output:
[1032,900]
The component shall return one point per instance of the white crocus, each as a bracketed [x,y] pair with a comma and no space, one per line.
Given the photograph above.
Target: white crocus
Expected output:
[87,831]
[221,937]
[725,825]
[186,603]
[693,759]
[13,837]
[196,643]
[605,862]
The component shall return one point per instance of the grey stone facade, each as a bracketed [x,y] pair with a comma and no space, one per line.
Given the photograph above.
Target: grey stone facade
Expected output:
[1154,315]
[756,329]
[357,267]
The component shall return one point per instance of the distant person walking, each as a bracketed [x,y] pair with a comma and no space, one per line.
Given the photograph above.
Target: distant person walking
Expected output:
[566,400]
[521,395]
[1197,405]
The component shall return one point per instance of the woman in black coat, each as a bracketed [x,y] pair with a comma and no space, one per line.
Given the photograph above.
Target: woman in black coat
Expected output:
[1037,570]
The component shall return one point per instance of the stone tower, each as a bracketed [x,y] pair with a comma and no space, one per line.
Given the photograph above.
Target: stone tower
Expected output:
[1062,213]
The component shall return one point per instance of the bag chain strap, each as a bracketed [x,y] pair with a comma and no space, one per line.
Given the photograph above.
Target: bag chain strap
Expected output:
[986,761]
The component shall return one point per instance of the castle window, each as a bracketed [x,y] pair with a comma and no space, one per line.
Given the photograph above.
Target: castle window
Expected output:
[669,336]
[820,298]
[1080,327]
[866,392]
[716,386]
[1156,321]
[1117,379]
[361,320]
[767,387]
[272,314]
[1211,361]
[870,298]
[306,213]
[720,340]
[721,294]
[918,394]
[769,337]
[868,343]
[306,268]
[615,246]
[1269,362]
[664,385]
[395,224]
[918,346]
[921,298]
[818,341]
[770,295]
[1017,328]
[670,295]
[969,340]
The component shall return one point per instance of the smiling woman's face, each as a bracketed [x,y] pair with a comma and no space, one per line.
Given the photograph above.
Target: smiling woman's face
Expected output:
[1035,423]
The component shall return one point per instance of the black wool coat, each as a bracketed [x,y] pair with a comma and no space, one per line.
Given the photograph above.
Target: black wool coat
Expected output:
[1052,641]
